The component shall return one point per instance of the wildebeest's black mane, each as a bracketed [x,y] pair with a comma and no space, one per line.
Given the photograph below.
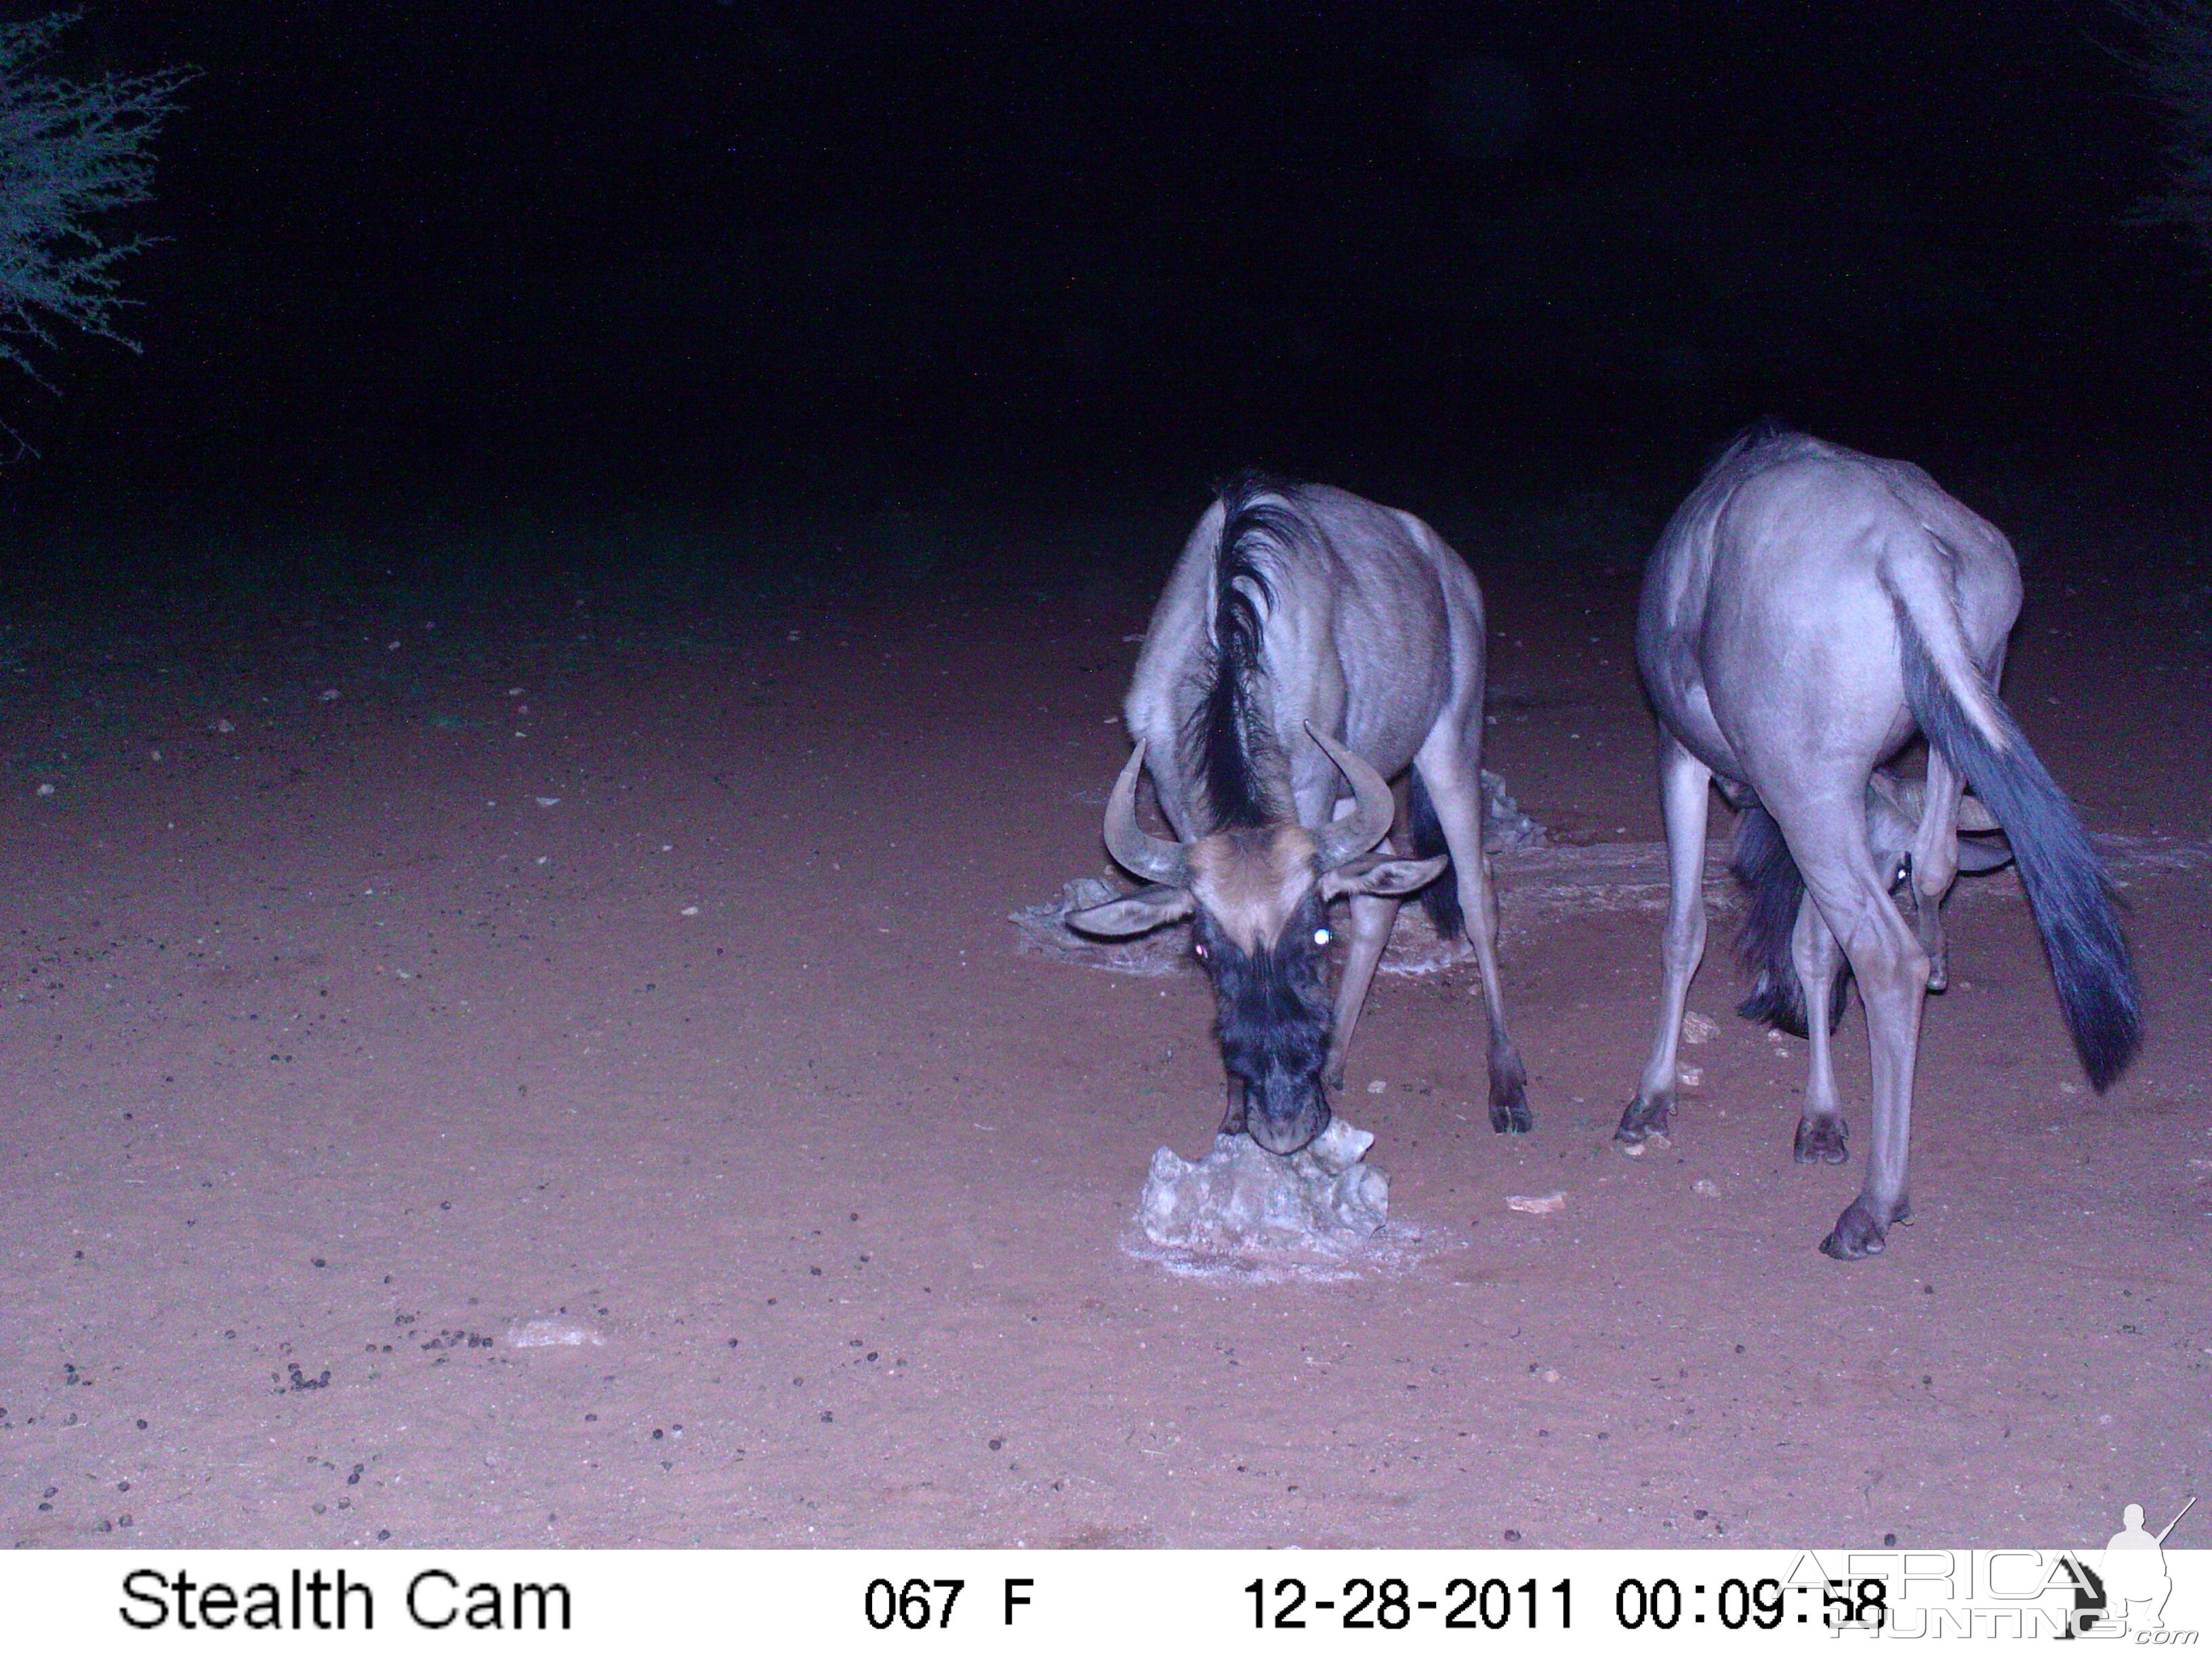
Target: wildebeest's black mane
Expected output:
[1234,752]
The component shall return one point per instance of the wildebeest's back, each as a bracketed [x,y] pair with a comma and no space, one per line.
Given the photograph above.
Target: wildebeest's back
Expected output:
[1370,621]
[1396,644]
[1772,583]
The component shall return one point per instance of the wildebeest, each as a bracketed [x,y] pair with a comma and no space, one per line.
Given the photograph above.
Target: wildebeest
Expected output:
[1308,640]
[1805,611]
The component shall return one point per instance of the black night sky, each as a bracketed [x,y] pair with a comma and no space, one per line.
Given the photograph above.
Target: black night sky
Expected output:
[742,252]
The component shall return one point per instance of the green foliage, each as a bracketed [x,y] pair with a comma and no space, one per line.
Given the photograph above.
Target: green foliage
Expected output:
[69,152]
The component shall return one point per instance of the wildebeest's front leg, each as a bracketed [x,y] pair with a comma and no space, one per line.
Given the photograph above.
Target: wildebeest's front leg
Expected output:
[1371,921]
[1935,864]
[1820,1133]
[1232,1116]
[1685,799]
[1450,765]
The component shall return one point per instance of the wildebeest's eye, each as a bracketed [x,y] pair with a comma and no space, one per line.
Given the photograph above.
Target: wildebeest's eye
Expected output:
[1198,949]
[1321,936]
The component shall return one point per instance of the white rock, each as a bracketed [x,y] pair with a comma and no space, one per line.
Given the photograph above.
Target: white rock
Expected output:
[1546,1204]
[554,1333]
[1696,1028]
[1240,1197]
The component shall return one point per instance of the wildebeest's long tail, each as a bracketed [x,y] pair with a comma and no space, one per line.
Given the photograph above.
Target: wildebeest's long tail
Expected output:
[1440,898]
[2089,960]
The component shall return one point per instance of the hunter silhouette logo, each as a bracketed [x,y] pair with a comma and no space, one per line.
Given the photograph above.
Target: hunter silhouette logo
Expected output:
[2136,1582]
[2126,1591]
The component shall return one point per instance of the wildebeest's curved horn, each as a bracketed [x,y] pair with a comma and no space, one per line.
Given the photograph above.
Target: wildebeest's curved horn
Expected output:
[1135,848]
[1348,838]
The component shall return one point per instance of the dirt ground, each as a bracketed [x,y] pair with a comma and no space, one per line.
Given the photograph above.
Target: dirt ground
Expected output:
[490,1073]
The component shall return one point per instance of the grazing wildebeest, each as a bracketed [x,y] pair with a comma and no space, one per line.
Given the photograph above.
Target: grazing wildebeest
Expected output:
[1806,610]
[1306,640]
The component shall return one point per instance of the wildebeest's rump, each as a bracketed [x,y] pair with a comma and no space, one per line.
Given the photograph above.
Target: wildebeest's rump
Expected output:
[1308,641]
[1805,611]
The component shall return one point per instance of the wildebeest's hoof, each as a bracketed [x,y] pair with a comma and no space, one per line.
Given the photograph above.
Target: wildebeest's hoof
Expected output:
[1644,1119]
[1511,1116]
[1821,1140]
[1509,1093]
[1857,1235]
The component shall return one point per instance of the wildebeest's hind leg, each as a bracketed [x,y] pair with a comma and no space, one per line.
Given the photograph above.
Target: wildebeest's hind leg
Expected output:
[1684,798]
[1451,771]
[1827,834]
[1820,1133]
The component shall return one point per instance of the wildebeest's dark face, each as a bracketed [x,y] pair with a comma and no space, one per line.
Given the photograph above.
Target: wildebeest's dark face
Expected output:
[1271,1016]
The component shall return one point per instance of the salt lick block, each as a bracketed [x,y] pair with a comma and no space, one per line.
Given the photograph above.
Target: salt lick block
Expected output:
[1242,1197]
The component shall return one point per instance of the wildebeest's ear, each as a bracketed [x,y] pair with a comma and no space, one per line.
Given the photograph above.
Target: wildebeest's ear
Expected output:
[1381,876]
[1146,909]
[1980,851]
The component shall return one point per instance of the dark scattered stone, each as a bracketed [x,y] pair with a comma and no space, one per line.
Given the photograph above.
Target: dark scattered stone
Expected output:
[1513,1535]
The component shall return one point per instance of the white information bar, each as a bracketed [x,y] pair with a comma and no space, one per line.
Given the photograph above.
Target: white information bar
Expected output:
[1209,1603]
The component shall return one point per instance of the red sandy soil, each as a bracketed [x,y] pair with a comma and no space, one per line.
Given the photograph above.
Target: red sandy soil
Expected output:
[659,982]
